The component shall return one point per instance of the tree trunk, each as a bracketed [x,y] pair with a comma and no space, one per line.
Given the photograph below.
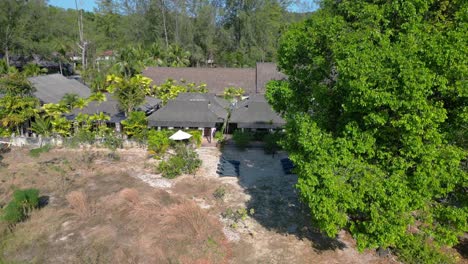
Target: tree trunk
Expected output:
[60,66]
[83,44]
[7,56]
[163,10]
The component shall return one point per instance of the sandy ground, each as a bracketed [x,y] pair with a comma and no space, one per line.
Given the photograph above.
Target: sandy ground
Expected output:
[276,230]
[279,224]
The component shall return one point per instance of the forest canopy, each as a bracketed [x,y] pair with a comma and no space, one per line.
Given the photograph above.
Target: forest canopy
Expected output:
[226,32]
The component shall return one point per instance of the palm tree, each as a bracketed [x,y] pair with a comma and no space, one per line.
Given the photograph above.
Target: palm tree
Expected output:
[69,100]
[177,57]
[42,126]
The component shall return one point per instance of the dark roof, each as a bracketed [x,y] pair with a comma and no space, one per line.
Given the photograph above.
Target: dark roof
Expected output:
[216,104]
[267,71]
[191,110]
[216,79]
[51,88]
[252,80]
[255,112]
[111,108]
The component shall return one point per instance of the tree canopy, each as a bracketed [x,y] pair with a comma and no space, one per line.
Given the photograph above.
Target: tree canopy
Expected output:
[376,110]
[227,32]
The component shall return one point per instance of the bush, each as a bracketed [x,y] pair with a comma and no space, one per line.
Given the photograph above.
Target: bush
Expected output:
[37,151]
[172,167]
[112,141]
[82,136]
[185,161]
[158,141]
[272,143]
[260,135]
[219,193]
[417,249]
[21,205]
[242,139]
[235,216]
[219,136]
[135,126]
[196,137]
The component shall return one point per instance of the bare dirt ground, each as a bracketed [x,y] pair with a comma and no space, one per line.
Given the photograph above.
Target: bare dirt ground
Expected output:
[279,230]
[101,208]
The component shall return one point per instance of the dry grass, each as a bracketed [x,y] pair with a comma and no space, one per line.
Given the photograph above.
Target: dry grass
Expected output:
[79,204]
[130,195]
[32,236]
[100,213]
[195,236]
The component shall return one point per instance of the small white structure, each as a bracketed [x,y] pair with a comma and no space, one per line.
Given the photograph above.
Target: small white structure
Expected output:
[180,135]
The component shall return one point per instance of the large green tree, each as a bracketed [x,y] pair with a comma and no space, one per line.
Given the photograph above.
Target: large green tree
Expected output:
[375,101]
[129,92]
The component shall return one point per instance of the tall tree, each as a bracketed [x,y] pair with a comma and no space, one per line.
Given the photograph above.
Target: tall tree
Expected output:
[13,24]
[374,90]
[129,92]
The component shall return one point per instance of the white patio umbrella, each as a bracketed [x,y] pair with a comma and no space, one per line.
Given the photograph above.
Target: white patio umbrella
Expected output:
[180,135]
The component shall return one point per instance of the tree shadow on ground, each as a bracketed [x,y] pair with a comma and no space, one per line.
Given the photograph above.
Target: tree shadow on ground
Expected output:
[462,247]
[274,198]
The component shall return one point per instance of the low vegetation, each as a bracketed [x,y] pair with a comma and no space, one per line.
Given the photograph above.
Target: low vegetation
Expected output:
[20,207]
[237,216]
[158,142]
[36,152]
[242,139]
[104,213]
[136,126]
[233,93]
[272,142]
[220,193]
[185,161]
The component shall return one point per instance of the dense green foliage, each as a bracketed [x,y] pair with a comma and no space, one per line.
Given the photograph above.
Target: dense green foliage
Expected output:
[185,160]
[231,93]
[196,137]
[130,92]
[158,141]
[136,125]
[171,89]
[20,207]
[231,33]
[375,103]
[15,111]
[242,139]
[272,142]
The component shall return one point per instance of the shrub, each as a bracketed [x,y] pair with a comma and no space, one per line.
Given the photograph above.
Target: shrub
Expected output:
[235,216]
[219,136]
[37,151]
[158,141]
[260,135]
[272,143]
[21,205]
[135,126]
[185,161]
[416,249]
[112,141]
[172,167]
[219,193]
[242,139]
[196,137]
